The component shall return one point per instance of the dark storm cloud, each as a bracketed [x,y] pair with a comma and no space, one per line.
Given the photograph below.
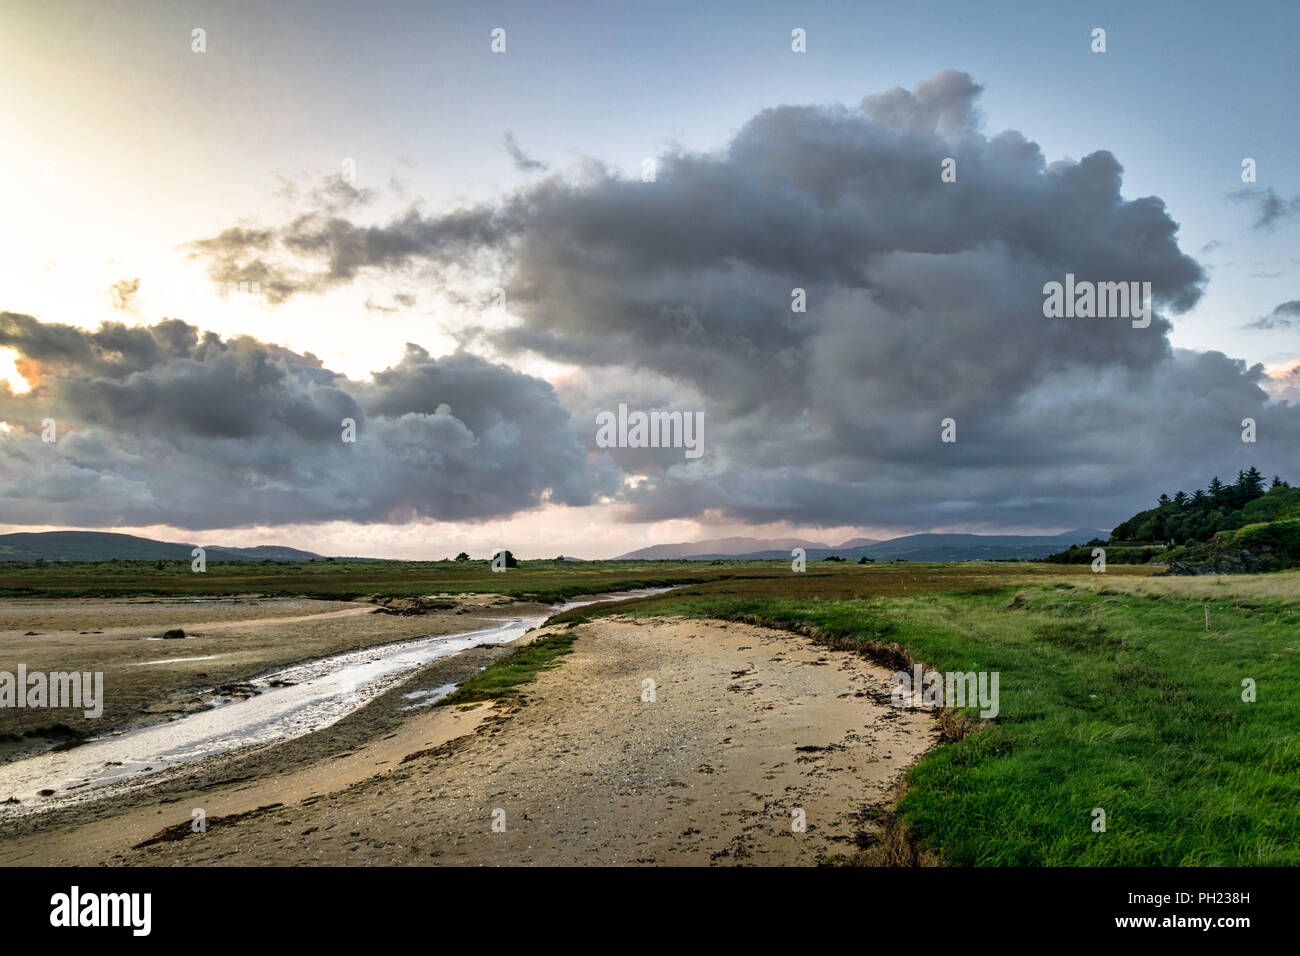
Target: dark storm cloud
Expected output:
[163,425]
[925,301]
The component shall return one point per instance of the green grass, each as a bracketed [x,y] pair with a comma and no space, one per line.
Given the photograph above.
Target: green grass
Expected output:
[545,581]
[502,678]
[1111,700]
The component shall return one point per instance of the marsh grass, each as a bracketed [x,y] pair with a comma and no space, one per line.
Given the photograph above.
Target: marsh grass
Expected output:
[545,581]
[503,678]
[1112,696]
[549,582]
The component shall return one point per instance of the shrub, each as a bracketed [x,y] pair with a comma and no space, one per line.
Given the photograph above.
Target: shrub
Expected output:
[1281,537]
[1272,505]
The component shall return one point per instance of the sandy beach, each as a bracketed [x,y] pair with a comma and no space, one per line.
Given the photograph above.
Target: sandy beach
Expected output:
[657,741]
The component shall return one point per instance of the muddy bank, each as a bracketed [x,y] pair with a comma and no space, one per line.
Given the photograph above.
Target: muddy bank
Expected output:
[99,831]
[148,679]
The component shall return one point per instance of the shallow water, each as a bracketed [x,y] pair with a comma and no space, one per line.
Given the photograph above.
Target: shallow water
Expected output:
[176,660]
[287,703]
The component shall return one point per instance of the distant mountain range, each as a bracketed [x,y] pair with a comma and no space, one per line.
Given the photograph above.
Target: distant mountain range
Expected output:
[724,547]
[105,546]
[912,547]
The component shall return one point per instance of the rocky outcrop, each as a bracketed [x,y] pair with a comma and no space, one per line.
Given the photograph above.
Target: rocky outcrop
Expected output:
[1232,562]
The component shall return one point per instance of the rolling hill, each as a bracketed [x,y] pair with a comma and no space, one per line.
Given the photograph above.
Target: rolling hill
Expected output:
[912,547]
[718,547]
[106,546]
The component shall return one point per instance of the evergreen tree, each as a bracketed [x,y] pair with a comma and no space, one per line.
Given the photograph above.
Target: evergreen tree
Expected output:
[1218,493]
[1252,484]
[1237,491]
[1205,512]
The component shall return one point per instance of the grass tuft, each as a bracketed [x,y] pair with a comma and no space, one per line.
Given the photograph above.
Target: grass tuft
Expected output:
[503,678]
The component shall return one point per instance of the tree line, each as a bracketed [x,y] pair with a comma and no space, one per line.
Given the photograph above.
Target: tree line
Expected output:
[1183,517]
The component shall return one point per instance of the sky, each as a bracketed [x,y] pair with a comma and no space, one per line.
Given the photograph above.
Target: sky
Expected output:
[456,249]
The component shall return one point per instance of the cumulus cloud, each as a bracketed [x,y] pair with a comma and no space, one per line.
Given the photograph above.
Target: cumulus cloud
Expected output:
[943,104]
[165,425]
[924,301]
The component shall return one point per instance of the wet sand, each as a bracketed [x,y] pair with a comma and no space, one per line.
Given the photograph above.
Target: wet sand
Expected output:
[147,679]
[284,704]
[747,726]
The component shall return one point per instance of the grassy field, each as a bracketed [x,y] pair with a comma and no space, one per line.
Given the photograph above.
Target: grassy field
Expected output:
[547,581]
[1112,696]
